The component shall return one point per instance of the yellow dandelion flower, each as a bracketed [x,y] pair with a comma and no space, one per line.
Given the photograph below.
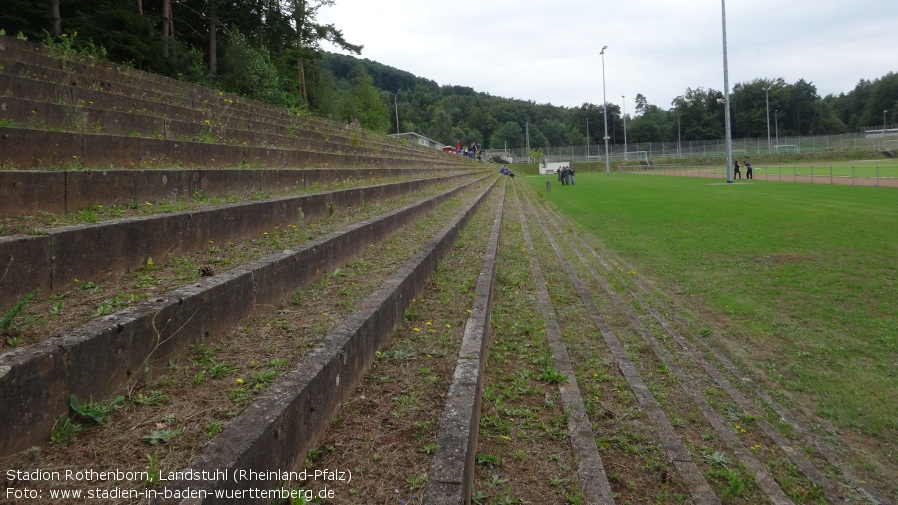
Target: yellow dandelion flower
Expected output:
[428,323]
[416,329]
[239,381]
[448,325]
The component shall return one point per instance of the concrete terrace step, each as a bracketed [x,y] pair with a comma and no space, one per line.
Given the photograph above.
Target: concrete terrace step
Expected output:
[26,148]
[43,375]
[78,85]
[88,83]
[25,192]
[108,249]
[44,115]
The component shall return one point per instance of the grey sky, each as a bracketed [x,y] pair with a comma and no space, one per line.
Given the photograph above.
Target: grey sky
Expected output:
[548,51]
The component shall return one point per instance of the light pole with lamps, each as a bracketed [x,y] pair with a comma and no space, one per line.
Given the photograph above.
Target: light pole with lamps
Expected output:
[624,116]
[884,122]
[587,140]
[726,94]
[605,112]
[767,100]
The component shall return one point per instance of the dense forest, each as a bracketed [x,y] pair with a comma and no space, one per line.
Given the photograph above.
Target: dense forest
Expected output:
[270,50]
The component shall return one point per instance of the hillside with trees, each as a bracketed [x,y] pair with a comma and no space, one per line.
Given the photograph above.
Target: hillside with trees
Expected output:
[271,51]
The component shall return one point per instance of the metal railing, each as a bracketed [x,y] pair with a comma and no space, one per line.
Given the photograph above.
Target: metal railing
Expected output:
[861,175]
[703,148]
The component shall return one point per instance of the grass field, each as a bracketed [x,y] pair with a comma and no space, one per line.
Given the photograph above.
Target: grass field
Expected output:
[797,282]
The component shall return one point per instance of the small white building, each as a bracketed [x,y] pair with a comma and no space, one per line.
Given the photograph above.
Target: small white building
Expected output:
[415,138]
[550,168]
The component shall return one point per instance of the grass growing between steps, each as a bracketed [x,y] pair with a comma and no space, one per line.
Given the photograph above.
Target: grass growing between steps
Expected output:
[796,282]
[40,224]
[638,469]
[524,452]
[165,423]
[46,317]
[385,433]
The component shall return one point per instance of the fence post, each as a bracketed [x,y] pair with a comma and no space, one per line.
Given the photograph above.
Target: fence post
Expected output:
[877,176]
[830,175]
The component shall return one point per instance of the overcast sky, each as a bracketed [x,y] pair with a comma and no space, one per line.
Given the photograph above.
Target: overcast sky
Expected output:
[548,51]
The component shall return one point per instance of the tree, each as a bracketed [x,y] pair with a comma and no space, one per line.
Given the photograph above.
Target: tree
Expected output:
[509,135]
[641,102]
[363,102]
[701,115]
[248,70]
[310,34]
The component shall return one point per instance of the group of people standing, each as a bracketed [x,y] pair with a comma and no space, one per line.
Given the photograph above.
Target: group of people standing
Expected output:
[565,175]
[748,170]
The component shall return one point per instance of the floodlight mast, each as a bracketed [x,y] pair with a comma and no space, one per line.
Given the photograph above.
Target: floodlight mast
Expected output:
[605,113]
[624,117]
[726,95]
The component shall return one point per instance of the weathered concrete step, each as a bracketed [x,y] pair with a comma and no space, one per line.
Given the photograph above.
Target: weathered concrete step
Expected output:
[452,469]
[41,57]
[99,251]
[277,430]
[24,192]
[121,116]
[677,452]
[98,358]
[60,87]
[594,483]
[99,74]
[26,148]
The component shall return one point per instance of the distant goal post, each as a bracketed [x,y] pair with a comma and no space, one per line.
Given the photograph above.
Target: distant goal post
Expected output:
[637,155]
[786,148]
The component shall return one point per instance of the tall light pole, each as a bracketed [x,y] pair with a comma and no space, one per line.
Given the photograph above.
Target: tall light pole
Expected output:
[587,140]
[396,105]
[776,124]
[767,99]
[605,113]
[624,116]
[884,122]
[678,135]
[726,94]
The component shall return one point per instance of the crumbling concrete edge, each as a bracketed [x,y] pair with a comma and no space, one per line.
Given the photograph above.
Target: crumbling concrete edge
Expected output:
[276,431]
[452,469]
[97,359]
[96,251]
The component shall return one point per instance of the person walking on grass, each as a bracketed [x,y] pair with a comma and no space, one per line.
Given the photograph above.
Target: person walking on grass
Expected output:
[736,171]
[748,174]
